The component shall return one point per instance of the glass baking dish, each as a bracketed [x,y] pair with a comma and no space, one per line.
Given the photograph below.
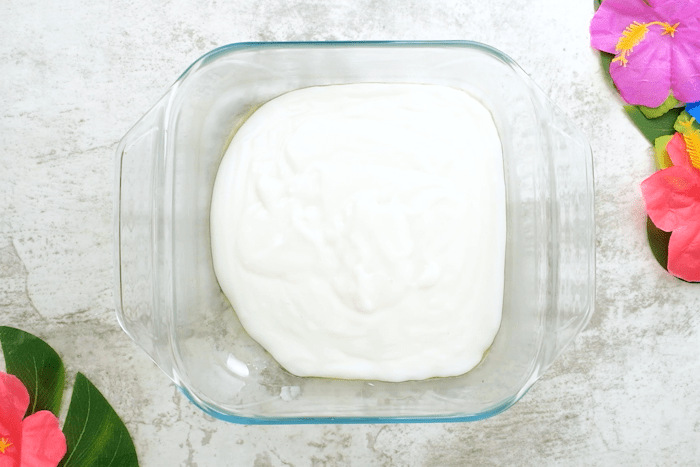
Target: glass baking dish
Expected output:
[168,298]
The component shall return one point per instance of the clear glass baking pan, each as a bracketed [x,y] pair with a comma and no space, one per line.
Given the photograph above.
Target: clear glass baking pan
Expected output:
[168,298]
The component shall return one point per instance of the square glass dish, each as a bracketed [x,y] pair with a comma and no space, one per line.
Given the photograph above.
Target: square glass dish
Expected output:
[168,298]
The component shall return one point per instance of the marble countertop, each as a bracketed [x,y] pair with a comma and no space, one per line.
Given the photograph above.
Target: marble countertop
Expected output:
[75,77]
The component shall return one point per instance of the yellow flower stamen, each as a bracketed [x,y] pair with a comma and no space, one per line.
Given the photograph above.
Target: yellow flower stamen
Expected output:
[692,143]
[636,33]
[631,36]
[4,444]
[668,29]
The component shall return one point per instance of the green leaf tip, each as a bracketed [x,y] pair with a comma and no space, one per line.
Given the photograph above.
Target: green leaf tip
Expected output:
[658,242]
[656,112]
[681,124]
[95,435]
[663,159]
[37,365]
[654,127]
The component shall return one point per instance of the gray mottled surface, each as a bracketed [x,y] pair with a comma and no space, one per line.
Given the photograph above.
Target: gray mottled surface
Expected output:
[76,75]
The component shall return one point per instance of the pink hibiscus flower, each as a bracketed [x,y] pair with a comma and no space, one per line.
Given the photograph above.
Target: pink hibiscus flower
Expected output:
[36,441]
[655,43]
[672,198]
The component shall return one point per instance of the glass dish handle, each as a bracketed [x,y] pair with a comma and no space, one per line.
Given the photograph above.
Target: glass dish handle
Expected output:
[139,219]
[572,246]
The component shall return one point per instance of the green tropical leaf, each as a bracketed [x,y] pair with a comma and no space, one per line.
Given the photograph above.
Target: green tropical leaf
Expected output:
[685,123]
[605,61]
[95,435]
[663,159]
[37,365]
[654,127]
[656,112]
[658,242]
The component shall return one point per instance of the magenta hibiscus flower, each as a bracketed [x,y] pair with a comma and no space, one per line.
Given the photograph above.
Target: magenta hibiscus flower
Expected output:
[655,43]
[672,198]
[36,441]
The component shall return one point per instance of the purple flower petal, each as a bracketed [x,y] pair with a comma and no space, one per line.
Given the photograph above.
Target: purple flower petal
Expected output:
[677,11]
[613,17]
[661,4]
[685,62]
[646,79]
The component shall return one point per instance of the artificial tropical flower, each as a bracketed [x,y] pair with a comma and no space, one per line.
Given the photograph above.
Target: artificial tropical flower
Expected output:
[655,43]
[672,198]
[36,441]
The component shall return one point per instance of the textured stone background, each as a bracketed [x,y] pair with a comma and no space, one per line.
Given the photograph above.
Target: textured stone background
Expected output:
[76,75]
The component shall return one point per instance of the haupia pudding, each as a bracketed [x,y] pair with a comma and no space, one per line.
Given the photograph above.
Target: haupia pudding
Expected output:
[359,230]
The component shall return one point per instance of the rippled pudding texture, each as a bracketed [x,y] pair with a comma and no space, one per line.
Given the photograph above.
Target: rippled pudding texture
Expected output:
[359,230]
